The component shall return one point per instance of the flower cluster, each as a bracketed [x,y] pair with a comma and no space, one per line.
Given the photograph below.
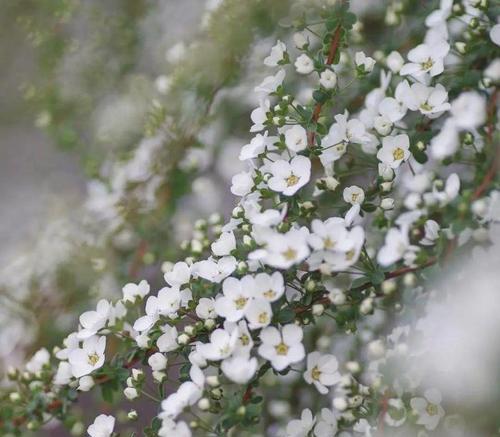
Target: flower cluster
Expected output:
[341,216]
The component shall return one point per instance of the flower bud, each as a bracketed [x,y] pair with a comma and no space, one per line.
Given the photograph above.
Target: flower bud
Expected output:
[132,415]
[213,381]
[387,203]
[204,404]
[366,306]
[130,393]
[340,404]
[183,339]
[318,309]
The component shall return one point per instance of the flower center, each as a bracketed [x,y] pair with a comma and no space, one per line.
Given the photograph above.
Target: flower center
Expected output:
[328,243]
[269,294]
[425,107]
[93,359]
[398,154]
[281,349]
[244,340]
[315,373]
[354,197]
[292,180]
[432,409]
[350,255]
[427,65]
[290,254]
[263,317]
[240,302]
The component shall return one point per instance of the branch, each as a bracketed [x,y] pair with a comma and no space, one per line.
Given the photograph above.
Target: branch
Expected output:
[329,61]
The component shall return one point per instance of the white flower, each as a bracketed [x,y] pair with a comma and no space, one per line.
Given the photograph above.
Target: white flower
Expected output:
[239,368]
[235,299]
[430,101]
[302,427]
[304,64]
[258,144]
[277,54]
[495,34]
[188,393]
[493,71]
[271,83]
[89,357]
[244,342]
[392,108]
[259,115]
[270,287]
[322,371]
[132,291]
[446,142]
[395,61]
[394,150]
[64,374]
[283,250]
[296,138]
[365,63]
[215,271]
[166,303]
[242,183]
[396,412]
[170,428]
[167,342]
[329,235]
[326,425]
[282,348]
[289,177]
[328,79]
[102,427]
[258,313]
[222,344]
[382,125]
[224,245]
[179,275]
[469,110]
[428,409]
[354,195]
[206,308]
[426,59]
[395,247]
[93,321]
[157,362]
[40,359]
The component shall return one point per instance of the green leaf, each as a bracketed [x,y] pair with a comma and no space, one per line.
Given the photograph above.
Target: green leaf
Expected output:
[377,277]
[286,315]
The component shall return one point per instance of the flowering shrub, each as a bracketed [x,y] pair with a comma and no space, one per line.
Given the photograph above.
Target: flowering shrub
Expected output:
[347,210]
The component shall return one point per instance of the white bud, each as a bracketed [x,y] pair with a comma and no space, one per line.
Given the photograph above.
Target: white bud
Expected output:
[300,40]
[157,361]
[213,381]
[132,415]
[318,309]
[386,186]
[388,287]
[395,61]
[130,393]
[409,280]
[158,375]
[203,404]
[353,367]
[15,397]
[328,79]
[85,383]
[209,323]
[189,329]
[387,203]
[366,306]
[340,404]
[331,183]
[183,339]
[376,349]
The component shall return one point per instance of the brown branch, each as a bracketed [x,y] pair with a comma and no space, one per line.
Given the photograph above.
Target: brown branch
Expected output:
[332,53]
